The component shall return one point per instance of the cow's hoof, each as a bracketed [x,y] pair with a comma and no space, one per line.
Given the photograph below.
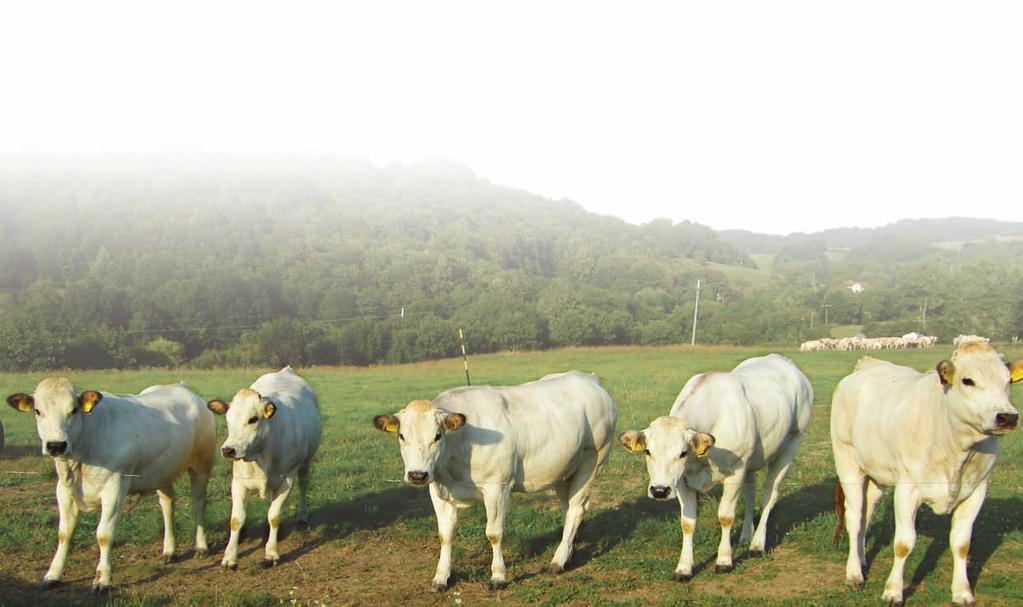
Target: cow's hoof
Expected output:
[894,602]
[556,569]
[231,566]
[723,568]
[47,584]
[498,585]
[101,588]
[682,577]
[201,553]
[438,587]
[302,524]
[854,584]
[268,563]
[167,559]
[756,554]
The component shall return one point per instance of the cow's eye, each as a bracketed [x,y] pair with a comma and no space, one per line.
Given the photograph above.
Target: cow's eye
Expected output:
[38,413]
[647,451]
[401,436]
[436,438]
[683,454]
[253,419]
[968,382]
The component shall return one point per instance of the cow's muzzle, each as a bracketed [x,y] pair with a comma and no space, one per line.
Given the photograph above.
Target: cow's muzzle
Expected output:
[1006,421]
[56,447]
[229,452]
[660,492]
[418,478]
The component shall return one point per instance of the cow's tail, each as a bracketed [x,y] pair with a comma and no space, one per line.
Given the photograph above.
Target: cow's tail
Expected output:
[839,512]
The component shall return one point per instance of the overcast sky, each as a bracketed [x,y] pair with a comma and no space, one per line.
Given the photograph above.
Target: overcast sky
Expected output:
[772,116]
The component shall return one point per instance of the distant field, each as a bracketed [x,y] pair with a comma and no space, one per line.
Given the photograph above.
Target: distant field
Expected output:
[373,540]
[764,261]
[741,276]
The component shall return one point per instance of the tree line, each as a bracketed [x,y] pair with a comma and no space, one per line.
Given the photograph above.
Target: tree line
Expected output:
[341,262]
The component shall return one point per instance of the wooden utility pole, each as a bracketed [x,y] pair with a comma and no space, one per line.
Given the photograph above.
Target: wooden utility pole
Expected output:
[812,314]
[923,319]
[826,308]
[696,313]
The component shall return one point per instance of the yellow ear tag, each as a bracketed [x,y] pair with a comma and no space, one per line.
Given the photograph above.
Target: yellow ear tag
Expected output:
[1016,373]
[268,410]
[391,427]
[637,446]
[702,449]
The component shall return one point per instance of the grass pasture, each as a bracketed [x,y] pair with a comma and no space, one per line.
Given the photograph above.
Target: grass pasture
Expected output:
[373,541]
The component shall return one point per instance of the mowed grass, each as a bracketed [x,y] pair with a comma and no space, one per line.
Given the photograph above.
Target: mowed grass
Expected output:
[373,538]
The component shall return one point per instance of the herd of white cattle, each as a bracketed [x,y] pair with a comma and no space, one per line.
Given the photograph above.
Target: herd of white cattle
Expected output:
[845,344]
[933,436]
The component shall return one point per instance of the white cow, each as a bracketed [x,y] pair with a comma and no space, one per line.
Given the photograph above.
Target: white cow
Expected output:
[934,436]
[105,446]
[722,428]
[273,431]
[468,443]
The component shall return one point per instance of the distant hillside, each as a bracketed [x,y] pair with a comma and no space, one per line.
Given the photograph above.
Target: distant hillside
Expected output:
[327,261]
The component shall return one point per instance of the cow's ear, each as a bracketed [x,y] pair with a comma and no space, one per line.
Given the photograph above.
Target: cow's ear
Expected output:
[22,402]
[269,409]
[454,422]
[1015,370]
[702,442]
[633,440]
[218,406]
[88,400]
[386,423]
[946,372]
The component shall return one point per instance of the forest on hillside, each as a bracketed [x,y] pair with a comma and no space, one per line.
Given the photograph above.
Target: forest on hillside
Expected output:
[154,263]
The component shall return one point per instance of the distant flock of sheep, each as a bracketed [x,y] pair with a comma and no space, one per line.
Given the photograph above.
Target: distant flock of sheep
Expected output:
[911,340]
[484,443]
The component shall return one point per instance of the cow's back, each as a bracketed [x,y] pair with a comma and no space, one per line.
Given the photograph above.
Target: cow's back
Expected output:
[532,434]
[298,407]
[751,411]
[152,436]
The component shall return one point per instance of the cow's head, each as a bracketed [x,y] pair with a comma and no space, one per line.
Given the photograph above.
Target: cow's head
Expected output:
[59,411]
[248,417]
[976,384]
[669,446]
[421,428]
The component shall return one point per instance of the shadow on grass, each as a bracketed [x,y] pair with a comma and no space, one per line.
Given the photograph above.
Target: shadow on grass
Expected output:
[367,512]
[603,532]
[998,517]
[16,593]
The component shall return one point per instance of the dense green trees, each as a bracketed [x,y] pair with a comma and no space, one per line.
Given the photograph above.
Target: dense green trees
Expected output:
[343,263]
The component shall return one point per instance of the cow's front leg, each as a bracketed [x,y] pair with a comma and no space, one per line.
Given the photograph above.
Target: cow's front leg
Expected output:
[959,542]
[239,495]
[731,488]
[447,518]
[906,504]
[111,502]
[687,507]
[495,499]
[166,496]
[68,509]
[273,516]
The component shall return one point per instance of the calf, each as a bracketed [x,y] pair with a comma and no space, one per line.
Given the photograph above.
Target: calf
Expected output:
[105,446]
[722,428]
[933,436]
[484,442]
[273,431]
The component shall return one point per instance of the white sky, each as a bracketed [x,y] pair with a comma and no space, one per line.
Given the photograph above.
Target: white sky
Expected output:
[772,116]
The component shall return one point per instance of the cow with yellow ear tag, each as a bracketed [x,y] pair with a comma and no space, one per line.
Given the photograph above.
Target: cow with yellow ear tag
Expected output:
[105,446]
[273,432]
[723,428]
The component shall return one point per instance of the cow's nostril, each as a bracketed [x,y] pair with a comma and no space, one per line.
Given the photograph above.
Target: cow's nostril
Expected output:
[56,447]
[418,477]
[228,452]
[1007,420]
[659,491]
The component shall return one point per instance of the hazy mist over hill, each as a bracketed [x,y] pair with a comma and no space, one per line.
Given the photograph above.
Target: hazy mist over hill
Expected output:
[158,262]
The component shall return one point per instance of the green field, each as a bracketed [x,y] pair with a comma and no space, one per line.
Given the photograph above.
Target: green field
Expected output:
[373,539]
